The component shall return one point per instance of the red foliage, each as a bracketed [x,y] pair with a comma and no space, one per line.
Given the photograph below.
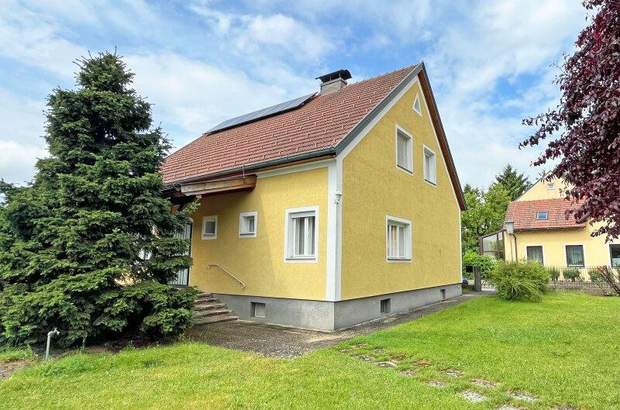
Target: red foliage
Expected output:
[587,121]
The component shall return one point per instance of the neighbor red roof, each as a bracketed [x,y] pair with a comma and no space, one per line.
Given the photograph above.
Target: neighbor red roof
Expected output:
[523,214]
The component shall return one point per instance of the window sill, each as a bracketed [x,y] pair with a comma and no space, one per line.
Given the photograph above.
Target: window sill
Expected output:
[399,260]
[247,235]
[300,259]
[208,238]
[431,183]
[405,170]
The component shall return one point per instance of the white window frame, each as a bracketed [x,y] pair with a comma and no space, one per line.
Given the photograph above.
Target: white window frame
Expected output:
[408,170]
[427,177]
[530,245]
[289,254]
[583,248]
[542,212]
[205,219]
[609,252]
[243,215]
[416,101]
[408,257]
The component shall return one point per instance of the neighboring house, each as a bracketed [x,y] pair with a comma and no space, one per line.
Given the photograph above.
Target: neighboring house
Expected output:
[328,210]
[539,230]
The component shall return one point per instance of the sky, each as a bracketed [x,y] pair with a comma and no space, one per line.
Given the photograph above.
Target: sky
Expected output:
[491,63]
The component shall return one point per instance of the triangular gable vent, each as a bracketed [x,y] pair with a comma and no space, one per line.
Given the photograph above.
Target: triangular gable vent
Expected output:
[416,104]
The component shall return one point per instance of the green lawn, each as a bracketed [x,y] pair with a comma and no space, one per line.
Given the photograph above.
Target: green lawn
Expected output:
[563,351]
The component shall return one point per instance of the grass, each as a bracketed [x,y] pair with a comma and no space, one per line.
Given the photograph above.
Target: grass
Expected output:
[563,351]
[14,354]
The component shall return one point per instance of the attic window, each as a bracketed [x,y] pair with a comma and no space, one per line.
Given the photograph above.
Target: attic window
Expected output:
[550,186]
[416,104]
[542,215]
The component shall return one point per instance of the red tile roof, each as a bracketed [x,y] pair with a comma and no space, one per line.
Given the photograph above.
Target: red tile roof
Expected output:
[302,130]
[312,130]
[523,214]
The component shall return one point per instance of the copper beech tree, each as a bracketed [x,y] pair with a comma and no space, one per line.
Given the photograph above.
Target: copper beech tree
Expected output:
[583,131]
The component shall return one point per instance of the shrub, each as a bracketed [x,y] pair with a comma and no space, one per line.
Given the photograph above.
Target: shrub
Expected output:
[571,274]
[484,263]
[520,281]
[554,273]
[604,275]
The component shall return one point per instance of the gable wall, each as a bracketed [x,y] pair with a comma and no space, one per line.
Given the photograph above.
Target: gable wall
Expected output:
[373,187]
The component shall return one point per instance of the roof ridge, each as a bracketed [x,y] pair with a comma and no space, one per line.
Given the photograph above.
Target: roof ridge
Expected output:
[411,67]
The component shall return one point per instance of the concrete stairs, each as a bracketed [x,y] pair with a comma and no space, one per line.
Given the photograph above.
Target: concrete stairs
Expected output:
[208,309]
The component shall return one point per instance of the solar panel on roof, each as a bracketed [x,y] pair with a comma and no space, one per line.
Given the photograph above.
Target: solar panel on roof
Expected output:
[265,112]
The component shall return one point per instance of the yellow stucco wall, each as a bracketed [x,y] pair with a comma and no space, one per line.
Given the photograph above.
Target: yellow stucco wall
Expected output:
[260,261]
[542,190]
[374,187]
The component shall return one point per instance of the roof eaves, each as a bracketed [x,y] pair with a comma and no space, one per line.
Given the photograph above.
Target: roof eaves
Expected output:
[256,166]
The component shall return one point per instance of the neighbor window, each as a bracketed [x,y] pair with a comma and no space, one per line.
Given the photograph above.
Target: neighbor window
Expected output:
[209,227]
[535,254]
[430,166]
[550,186]
[542,215]
[398,239]
[574,255]
[416,104]
[614,254]
[247,224]
[301,234]
[404,150]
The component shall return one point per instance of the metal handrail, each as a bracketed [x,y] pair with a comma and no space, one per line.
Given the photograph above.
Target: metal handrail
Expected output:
[226,271]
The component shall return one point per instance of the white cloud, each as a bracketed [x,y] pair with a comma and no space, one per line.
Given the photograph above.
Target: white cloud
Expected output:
[21,142]
[273,34]
[492,47]
[34,39]
[195,96]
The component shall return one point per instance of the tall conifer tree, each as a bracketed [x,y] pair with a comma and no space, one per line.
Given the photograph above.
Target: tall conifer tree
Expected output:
[90,245]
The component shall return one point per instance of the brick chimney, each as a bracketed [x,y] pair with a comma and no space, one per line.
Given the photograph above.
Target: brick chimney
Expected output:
[332,82]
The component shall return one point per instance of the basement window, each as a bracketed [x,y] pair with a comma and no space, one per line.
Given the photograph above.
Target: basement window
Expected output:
[258,310]
[385,305]
[247,224]
[209,227]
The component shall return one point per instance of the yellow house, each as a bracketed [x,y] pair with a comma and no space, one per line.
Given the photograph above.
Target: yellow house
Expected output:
[538,229]
[328,210]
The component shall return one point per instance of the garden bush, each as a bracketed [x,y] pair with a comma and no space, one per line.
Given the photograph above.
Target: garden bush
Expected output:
[571,274]
[484,263]
[520,280]
[554,273]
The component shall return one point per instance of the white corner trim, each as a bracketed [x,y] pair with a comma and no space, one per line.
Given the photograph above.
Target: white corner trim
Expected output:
[401,129]
[249,213]
[404,221]
[202,230]
[289,211]
[332,276]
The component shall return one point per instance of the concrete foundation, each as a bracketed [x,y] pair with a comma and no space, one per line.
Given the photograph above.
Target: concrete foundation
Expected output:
[328,316]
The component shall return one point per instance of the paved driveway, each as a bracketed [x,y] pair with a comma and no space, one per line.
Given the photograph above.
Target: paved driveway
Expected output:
[279,341]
